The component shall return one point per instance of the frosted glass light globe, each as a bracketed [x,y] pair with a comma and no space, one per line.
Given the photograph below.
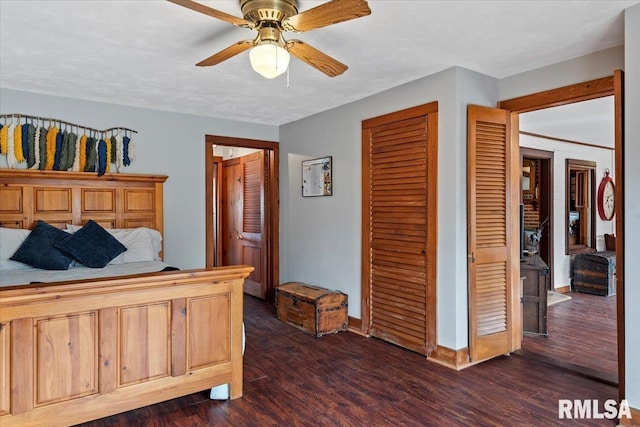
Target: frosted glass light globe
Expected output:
[269,60]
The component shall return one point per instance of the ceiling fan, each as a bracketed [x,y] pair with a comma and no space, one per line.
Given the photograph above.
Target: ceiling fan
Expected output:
[270,52]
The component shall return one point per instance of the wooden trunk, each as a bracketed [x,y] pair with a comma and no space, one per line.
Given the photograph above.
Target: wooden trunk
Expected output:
[595,273]
[313,309]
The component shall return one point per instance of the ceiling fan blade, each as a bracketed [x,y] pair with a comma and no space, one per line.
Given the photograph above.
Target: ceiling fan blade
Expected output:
[326,14]
[198,7]
[227,53]
[315,58]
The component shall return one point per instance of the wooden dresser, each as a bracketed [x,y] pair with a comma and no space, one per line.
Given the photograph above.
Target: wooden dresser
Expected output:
[534,295]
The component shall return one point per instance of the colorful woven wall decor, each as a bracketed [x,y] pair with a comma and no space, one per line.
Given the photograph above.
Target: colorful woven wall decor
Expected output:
[51,144]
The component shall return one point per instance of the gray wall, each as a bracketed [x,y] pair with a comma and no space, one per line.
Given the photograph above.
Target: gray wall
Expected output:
[321,237]
[564,73]
[167,143]
[632,203]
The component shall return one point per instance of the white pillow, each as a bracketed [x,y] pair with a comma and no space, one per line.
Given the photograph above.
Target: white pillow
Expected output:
[10,241]
[142,243]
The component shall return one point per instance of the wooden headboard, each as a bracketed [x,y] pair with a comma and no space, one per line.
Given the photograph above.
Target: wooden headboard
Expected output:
[60,198]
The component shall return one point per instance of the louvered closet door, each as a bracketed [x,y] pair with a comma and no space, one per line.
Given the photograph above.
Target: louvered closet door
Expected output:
[398,232]
[490,213]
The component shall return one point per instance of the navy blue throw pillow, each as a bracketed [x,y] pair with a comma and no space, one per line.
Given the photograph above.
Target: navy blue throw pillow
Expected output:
[92,245]
[39,251]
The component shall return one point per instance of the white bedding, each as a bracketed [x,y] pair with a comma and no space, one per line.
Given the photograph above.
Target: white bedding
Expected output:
[24,276]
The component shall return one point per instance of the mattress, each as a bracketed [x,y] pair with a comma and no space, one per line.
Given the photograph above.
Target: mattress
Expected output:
[24,276]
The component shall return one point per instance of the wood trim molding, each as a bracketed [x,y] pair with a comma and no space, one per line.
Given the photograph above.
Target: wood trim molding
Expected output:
[553,138]
[417,111]
[452,359]
[635,418]
[209,207]
[584,91]
[620,225]
[563,289]
[355,323]
[355,326]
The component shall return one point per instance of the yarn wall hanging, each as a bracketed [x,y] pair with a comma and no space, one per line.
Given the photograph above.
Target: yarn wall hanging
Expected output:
[50,144]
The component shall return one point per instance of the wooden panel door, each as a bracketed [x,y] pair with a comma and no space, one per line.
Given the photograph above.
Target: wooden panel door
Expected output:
[231,211]
[399,158]
[491,211]
[243,218]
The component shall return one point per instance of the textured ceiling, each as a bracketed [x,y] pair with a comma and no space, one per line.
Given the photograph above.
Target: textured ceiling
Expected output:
[142,53]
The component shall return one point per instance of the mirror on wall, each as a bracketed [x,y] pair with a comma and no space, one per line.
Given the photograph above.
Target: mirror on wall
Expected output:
[529,184]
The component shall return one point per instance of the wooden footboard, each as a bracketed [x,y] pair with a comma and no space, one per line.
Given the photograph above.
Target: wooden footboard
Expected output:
[76,351]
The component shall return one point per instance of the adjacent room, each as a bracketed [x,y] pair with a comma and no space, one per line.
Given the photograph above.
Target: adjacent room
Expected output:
[319,212]
[567,151]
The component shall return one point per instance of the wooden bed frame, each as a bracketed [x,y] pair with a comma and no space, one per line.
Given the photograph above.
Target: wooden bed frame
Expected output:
[75,351]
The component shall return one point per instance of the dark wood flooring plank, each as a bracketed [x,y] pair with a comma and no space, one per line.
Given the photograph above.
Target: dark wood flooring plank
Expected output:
[294,379]
[582,331]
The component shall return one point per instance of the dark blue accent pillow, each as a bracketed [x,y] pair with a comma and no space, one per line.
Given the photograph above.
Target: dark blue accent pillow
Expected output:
[39,251]
[92,245]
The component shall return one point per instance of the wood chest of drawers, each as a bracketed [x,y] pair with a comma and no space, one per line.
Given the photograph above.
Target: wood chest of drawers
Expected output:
[313,309]
[534,295]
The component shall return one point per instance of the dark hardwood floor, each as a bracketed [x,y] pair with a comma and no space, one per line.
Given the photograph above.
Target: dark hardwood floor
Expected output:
[294,379]
[583,332]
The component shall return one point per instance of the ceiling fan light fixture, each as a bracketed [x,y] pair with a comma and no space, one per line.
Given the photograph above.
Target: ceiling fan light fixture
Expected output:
[269,59]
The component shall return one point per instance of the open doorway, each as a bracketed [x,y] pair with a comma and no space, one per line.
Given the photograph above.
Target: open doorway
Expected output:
[590,313]
[242,214]
[581,138]
[537,196]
